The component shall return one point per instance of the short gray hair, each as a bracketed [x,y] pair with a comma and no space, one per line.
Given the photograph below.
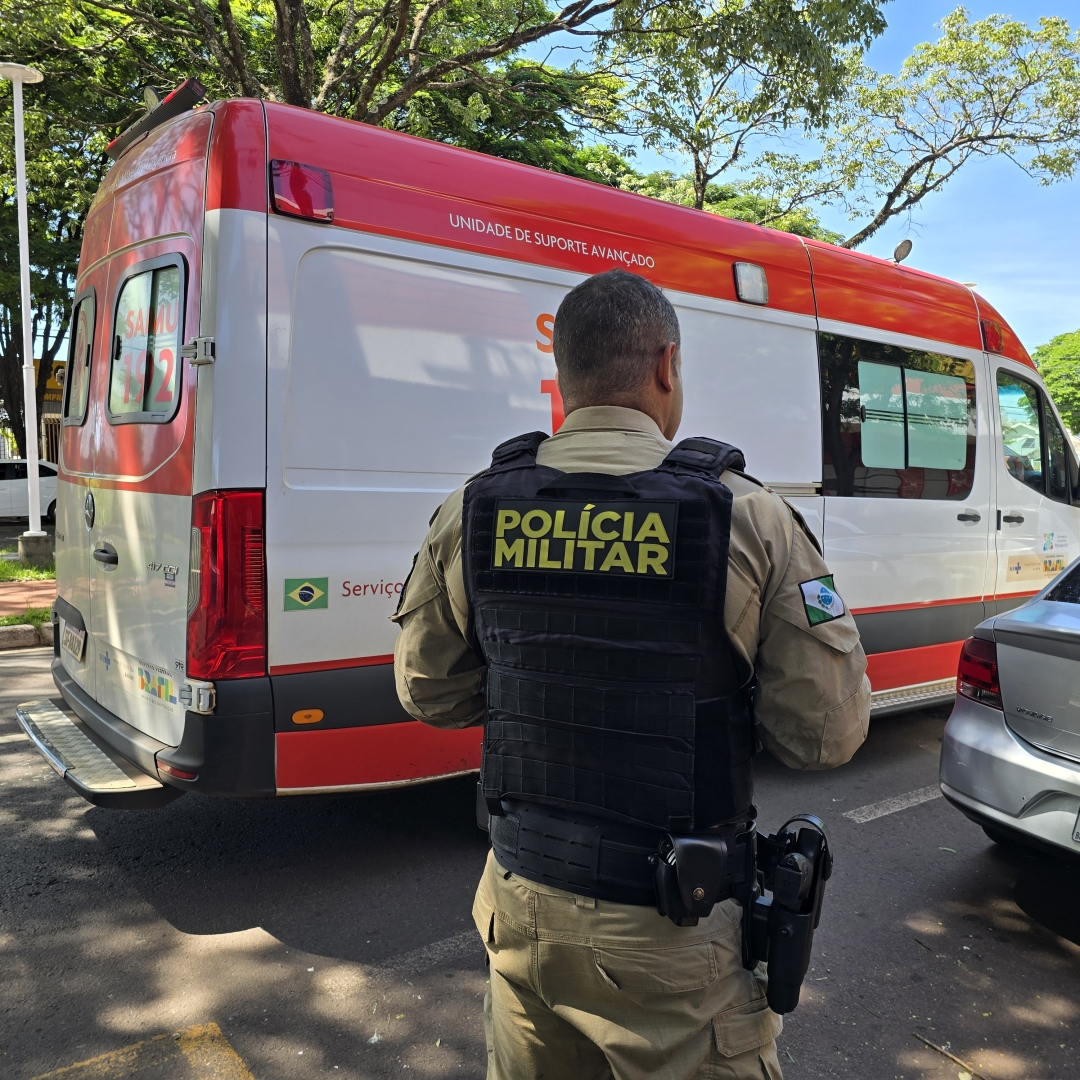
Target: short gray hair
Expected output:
[608,331]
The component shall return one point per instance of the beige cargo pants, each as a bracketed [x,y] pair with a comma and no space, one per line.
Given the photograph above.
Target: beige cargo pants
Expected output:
[583,989]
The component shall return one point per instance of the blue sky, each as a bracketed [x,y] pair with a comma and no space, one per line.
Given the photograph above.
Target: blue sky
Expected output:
[991,224]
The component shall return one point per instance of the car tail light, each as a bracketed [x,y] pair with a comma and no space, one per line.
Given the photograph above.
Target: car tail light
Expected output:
[301,190]
[227,596]
[993,338]
[977,676]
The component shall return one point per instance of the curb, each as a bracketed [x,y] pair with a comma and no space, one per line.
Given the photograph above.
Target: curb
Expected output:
[25,636]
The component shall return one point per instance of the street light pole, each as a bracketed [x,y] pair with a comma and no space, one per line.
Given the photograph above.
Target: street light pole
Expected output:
[19,74]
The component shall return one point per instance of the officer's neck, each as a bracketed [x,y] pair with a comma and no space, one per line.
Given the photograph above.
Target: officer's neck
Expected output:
[654,410]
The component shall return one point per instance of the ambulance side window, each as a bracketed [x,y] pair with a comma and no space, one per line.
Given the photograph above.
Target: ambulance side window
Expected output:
[1021,430]
[77,378]
[1057,466]
[144,381]
[897,423]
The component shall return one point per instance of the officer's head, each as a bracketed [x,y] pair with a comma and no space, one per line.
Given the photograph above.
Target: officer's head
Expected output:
[616,342]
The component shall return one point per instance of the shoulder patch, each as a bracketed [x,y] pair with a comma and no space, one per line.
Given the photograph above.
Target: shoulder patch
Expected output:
[821,601]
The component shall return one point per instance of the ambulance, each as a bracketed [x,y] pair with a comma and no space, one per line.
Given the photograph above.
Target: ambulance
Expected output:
[295,334]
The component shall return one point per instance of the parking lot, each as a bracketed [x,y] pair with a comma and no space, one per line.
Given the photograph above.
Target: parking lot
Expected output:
[332,937]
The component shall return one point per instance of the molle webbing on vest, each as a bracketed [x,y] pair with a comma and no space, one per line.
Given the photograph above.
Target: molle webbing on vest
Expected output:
[597,603]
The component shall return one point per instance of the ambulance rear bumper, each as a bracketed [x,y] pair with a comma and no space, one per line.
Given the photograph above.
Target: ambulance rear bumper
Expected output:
[230,752]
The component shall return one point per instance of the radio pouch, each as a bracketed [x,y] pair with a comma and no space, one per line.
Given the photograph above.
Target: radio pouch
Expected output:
[690,874]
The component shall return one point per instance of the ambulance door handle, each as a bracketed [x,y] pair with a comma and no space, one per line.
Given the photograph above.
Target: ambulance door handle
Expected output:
[969,515]
[104,555]
[1013,518]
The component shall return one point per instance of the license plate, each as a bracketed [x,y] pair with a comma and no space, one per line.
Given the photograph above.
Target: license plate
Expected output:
[72,641]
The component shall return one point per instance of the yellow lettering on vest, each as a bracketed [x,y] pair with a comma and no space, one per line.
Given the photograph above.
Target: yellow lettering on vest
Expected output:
[546,563]
[618,556]
[605,534]
[590,547]
[541,529]
[651,557]
[508,519]
[628,525]
[653,529]
[504,552]
[583,522]
[568,555]
[559,532]
[530,558]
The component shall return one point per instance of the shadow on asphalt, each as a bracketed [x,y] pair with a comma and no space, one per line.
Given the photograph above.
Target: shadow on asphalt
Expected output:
[360,878]
[1046,891]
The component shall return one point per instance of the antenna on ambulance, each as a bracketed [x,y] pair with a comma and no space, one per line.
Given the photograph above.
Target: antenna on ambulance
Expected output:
[184,98]
[901,251]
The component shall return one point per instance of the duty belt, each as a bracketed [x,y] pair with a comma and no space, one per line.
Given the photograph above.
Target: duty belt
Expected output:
[604,860]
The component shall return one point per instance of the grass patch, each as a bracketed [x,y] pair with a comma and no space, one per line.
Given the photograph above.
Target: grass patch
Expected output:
[33,616]
[15,571]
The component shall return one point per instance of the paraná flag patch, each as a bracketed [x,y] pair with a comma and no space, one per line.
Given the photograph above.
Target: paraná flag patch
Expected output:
[821,600]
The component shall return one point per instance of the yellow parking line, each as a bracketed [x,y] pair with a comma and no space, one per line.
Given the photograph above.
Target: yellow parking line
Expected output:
[207,1051]
[210,1055]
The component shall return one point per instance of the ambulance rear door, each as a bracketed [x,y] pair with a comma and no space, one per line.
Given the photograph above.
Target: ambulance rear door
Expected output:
[1037,527]
[81,403]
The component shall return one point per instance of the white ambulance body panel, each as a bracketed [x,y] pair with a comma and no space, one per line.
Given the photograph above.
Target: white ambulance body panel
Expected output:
[407,364]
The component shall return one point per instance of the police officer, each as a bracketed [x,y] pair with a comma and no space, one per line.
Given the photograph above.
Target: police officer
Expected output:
[617,610]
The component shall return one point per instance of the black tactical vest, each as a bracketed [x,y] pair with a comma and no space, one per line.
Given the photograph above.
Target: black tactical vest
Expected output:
[597,601]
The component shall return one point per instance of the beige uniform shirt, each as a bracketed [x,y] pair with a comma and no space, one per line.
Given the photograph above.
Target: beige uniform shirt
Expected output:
[814,697]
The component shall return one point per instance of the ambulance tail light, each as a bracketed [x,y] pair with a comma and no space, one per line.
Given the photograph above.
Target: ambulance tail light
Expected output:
[226,636]
[977,676]
[993,338]
[302,191]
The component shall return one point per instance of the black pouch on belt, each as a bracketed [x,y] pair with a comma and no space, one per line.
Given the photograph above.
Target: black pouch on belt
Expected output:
[690,874]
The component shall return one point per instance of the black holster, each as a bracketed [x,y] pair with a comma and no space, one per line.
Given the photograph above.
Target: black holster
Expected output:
[778,930]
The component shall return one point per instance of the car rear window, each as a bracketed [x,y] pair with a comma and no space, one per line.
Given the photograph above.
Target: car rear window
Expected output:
[1066,589]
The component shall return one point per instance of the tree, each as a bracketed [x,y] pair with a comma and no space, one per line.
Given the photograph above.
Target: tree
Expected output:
[364,62]
[1058,362]
[995,87]
[727,200]
[85,91]
[708,77]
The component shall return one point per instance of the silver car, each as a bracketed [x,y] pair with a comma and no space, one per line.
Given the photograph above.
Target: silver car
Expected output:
[1010,758]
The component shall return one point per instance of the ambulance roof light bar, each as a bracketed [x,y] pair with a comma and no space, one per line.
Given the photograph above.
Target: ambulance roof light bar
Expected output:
[184,98]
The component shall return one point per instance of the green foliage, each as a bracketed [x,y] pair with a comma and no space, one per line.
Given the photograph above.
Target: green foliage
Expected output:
[730,201]
[32,616]
[1058,362]
[708,76]
[995,87]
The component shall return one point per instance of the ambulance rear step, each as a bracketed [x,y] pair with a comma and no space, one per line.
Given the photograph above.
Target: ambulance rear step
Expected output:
[90,766]
[919,696]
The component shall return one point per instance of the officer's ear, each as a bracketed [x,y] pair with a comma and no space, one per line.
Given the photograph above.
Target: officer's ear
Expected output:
[667,366]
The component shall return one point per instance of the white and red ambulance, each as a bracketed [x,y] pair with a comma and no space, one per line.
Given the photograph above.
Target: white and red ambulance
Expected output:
[295,334]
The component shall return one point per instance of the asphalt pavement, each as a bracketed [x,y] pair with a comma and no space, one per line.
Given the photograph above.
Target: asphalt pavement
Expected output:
[331,937]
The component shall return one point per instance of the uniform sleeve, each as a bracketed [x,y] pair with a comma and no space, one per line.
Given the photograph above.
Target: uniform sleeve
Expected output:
[814,698]
[440,680]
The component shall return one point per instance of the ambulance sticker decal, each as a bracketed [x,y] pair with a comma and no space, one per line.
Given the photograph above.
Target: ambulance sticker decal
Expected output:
[585,537]
[821,600]
[301,593]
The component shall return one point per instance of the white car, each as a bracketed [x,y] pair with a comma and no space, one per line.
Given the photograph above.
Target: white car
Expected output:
[15,489]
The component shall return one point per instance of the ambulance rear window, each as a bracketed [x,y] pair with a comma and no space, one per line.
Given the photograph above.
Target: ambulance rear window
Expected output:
[144,383]
[897,423]
[77,379]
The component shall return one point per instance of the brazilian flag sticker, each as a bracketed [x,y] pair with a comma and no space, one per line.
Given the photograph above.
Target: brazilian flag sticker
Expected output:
[302,592]
[821,600]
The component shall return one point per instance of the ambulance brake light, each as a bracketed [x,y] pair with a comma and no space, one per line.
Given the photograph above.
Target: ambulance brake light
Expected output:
[302,191]
[977,675]
[993,338]
[227,611]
